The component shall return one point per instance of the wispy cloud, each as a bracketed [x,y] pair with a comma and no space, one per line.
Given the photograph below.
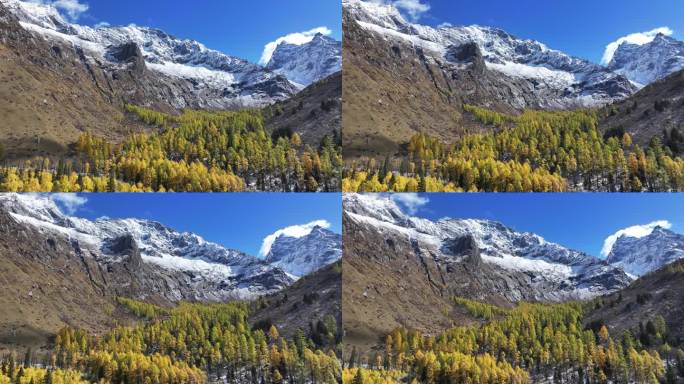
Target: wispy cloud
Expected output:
[69,202]
[639,38]
[637,231]
[296,231]
[411,201]
[298,38]
[414,9]
[71,9]
[102,24]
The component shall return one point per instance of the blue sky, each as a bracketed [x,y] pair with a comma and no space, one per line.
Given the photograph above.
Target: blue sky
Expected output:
[581,221]
[238,27]
[579,27]
[236,220]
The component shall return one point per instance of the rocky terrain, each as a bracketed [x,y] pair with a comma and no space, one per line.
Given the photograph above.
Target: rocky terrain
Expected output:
[308,300]
[654,110]
[313,113]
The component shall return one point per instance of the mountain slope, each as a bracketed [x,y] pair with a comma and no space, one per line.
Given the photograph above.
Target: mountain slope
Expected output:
[656,108]
[307,63]
[641,255]
[404,271]
[401,78]
[307,301]
[659,293]
[300,256]
[645,63]
[313,113]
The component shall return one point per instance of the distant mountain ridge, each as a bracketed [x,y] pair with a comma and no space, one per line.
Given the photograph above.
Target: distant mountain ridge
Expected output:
[641,255]
[563,80]
[307,63]
[300,256]
[646,63]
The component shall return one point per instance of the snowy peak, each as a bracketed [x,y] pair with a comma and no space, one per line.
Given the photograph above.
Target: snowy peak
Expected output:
[216,79]
[570,81]
[160,247]
[646,63]
[307,63]
[300,256]
[639,255]
[556,272]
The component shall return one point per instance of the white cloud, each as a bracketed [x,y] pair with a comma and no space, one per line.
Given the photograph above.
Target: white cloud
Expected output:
[445,25]
[102,24]
[71,9]
[70,202]
[411,201]
[639,38]
[297,38]
[296,231]
[414,9]
[637,231]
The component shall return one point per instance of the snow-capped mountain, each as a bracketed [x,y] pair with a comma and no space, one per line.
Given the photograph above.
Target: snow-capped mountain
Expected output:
[216,80]
[639,255]
[300,256]
[646,63]
[533,268]
[190,266]
[565,81]
[307,63]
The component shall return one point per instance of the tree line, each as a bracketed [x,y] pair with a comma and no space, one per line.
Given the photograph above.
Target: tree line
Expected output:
[191,343]
[537,151]
[197,151]
[529,343]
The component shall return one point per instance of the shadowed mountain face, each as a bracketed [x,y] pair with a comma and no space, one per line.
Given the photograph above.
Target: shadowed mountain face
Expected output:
[657,110]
